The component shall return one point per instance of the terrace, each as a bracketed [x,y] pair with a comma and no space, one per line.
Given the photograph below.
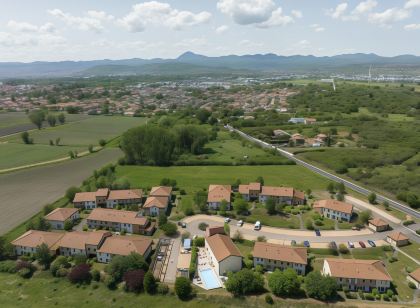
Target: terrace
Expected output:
[207,277]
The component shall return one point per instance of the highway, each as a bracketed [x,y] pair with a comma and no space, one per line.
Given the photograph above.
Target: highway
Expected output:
[397,205]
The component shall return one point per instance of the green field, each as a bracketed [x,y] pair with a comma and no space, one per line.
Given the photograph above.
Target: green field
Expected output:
[10,119]
[74,136]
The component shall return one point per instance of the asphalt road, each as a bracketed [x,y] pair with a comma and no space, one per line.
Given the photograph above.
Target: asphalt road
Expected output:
[398,205]
[24,193]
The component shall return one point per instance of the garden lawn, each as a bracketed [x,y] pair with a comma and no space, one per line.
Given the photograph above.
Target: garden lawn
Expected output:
[413,250]
[278,221]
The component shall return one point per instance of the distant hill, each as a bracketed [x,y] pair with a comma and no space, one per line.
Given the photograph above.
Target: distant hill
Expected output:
[191,63]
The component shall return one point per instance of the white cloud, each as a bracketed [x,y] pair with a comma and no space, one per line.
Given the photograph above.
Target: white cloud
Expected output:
[338,11]
[317,28]
[389,16]
[297,14]
[222,29]
[30,39]
[261,13]
[412,4]
[154,12]
[26,27]
[191,43]
[92,21]
[412,27]
[365,7]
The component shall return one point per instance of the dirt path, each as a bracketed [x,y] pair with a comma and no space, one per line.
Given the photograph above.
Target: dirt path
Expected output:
[23,193]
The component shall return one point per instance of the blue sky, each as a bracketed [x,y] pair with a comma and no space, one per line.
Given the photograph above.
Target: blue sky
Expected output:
[50,30]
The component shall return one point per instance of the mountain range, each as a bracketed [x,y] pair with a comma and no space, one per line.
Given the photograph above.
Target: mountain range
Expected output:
[191,63]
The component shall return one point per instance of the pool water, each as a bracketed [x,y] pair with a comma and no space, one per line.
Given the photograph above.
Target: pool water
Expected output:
[210,279]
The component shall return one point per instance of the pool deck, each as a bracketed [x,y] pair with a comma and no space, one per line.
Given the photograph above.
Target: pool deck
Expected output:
[204,262]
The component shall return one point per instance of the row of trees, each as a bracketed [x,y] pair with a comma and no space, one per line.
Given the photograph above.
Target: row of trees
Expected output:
[37,117]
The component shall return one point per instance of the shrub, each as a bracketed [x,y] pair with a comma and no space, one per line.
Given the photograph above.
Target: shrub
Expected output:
[309,225]
[79,259]
[244,282]
[8,266]
[25,273]
[199,242]
[110,282]
[149,283]
[59,263]
[385,297]
[389,292]
[342,248]
[162,289]
[96,275]
[392,259]
[269,300]
[412,285]
[68,225]
[24,264]
[387,248]
[134,280]
[203,226]
[284,283]
[369,297]
[169,229]
[408,222]
[121,264]
[62,272]
[80,274]
[183,288]
[320,287]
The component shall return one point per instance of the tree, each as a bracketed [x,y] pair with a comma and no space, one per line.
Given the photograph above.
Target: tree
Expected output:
[319,286]
[372,198]
[52,120]
[37,117]
[134,280]
[61,118]
[365,216]
[341,188]
[183,288]
[244,282]
[149,283]
[80,274]
[162,219]
[202,115]
[240,206]
[43,255]
[226,228]
[90,148]
[2,248]
[59,263]
[71,192]
[121,264]
[200,198]
[223,207]
[57,141]
[331,188]
[169,229]
[68,225]
[102,142]
[270,206]
[26,139]
[284,283]
[260,180]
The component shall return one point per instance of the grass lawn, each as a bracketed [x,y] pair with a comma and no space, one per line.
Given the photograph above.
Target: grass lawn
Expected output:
[327,224]
[279,221]
[85,132]
[413,250]
[245,247]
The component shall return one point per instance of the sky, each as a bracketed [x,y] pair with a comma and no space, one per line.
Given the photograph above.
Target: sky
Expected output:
[53,30]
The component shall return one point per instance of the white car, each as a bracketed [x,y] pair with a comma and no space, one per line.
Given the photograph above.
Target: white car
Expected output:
[227,220]
[240,223]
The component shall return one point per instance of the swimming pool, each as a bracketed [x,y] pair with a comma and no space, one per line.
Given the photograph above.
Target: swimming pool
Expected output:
[210,279]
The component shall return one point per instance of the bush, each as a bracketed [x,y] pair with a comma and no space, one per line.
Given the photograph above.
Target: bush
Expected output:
[244,282]
[59,263]
[284,283]
[68,225]
[96,275]
[79,259]
[134,280]
[308,224]
[269,300]
[80,274]
[162,289]
[203,226]
[121,264]
[183,288]
[412,285]
[149,283]
[392,259]
[62,272]
[408,222]
[25,273]
[385,297]
[320,287]
[342,248]
[169,229]
[8,266]
[199,242]
[369,297]
[110,282]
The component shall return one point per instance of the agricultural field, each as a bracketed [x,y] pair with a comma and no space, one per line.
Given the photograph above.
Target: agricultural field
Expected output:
[76,135]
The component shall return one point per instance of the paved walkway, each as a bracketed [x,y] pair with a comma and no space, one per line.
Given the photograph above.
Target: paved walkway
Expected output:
[170,274]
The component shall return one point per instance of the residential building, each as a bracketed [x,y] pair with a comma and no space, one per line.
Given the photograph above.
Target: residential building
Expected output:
[215,230]
[161,191]
[297,120]
[86,200]
[155,205]
[310,121]
[356,274]
[251,191]
[59,216]
[29,242]
[334,209]
[82,243]
[272,256]
[298,139]
[124,197]
[123,246]
[224,255]
[119,220]
[397,239]
[282,195]
[414,277]
[378,225]
[183,265]
[218,193]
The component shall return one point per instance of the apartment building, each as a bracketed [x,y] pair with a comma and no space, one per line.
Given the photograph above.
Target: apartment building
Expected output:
[107,198]
[59,216]
[123,246]
[334,209]
[82,243]
[29,242]
[282,195]
[217,194]
[225,256]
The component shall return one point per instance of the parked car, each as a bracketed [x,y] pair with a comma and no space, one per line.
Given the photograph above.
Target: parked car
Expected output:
[350,244]
[159,257]
[227,220]
[371,243]
[183,225]
[355,228]
[333,245]
[293,243]
[306,244]
[257,226]
[240,223]
[317,232]
[362,244]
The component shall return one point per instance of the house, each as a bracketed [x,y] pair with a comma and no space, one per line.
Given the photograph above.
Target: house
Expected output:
[215,230]
[123,246]
[223,253]
[28,242]
[251,191]
[356,274]
[272,256]
[155,205]
[82,243]
[218,193]
[119,220]
[124,197]
[297,120]
[321,137]
[334,209]
[310,121]
[282,195]
[85,200]
[161,191]
[59,216]
[183,265]
[414,277]
[298,139]
[397,239]
[378,225]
